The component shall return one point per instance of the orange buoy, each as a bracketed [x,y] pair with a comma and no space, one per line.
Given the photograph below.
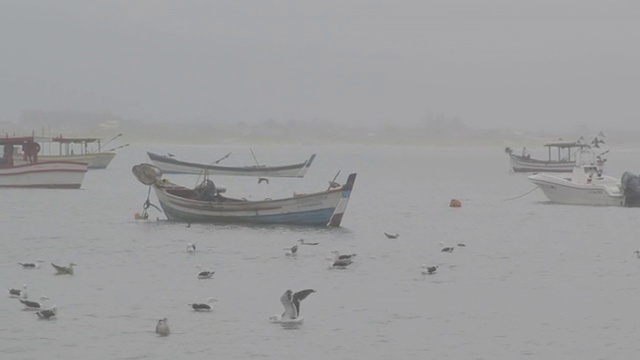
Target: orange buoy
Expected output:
[455,203]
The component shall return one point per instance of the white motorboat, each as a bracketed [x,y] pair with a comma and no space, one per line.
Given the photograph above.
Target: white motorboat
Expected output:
[586,185]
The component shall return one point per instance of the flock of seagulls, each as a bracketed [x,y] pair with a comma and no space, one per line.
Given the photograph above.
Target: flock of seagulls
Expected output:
[39,307]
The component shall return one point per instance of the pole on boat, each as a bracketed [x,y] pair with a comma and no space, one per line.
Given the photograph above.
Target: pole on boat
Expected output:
[119,147]
[333,183]
[110,140]
[222,158]
[254,157]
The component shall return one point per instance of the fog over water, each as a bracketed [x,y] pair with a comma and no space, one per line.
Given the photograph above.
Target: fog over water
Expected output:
[544,65]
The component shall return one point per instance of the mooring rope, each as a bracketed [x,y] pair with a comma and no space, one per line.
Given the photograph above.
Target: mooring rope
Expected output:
[519,196]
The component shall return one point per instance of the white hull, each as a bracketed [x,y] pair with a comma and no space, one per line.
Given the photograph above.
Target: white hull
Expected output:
[603,191]
[48,174]
[95,160]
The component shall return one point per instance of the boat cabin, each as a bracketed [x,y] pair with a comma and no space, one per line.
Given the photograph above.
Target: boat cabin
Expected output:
[67,145]
[564,150]
[29,147]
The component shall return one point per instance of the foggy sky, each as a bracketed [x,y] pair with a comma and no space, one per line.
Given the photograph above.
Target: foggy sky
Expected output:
[538,65]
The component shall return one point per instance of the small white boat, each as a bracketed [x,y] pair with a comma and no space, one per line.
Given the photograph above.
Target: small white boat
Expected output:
[586,185]
[35,173]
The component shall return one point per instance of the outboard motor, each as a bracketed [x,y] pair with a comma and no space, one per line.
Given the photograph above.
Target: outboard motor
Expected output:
[631,189]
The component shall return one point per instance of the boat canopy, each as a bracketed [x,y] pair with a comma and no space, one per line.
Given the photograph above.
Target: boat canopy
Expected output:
[16,140]
[567,145]
[65,140]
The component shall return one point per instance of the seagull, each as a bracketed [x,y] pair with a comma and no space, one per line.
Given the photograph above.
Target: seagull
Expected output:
[191,248]
[33,305]
[637,252]
[301,241]
[261,180]
[162,328]
[205,274]
[333,185]
[201,307]
[170,155]
[428,270]
[292,251]
[337,256]
[341,263]
[447,248]
[391,236]
[461,244]
[19,293]
[48,314]
[64,270]
[291,302]
[34,265]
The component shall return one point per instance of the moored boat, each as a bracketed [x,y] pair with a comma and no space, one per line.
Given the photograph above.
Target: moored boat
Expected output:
[586,185]
[563,156]
[171,165]
[79,149]
[32,172]
[206,203]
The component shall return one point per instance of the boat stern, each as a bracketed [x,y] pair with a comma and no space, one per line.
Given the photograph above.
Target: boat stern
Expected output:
[338,213]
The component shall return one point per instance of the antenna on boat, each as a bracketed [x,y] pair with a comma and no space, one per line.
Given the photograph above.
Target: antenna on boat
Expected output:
[333,183]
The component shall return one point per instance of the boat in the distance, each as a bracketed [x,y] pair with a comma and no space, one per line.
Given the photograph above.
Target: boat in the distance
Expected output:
[563,156]
[206,203]
[586,185]
[32,172]
[81,149]
[171,165]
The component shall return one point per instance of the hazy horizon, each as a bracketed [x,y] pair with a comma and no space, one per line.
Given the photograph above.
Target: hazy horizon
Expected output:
[552,66]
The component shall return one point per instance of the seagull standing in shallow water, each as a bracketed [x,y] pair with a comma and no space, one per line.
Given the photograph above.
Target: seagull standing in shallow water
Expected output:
[637,252]
[162,328]
[291,302]
[191,248]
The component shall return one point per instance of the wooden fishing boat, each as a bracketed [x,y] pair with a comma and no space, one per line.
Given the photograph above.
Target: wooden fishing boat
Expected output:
[79,149]
[563,157]
[171,165]
[32,172]
[206,203]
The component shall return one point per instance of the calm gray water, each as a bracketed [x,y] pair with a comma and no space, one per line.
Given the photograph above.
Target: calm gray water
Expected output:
[535,279]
